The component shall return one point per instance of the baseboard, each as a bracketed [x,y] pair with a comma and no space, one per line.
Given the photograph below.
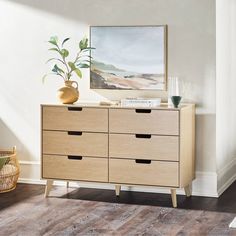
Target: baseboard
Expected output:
[205,183]
[31,181]
[29,162]
[226,176]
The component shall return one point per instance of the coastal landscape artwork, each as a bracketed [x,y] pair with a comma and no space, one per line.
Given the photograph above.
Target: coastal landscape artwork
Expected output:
[128,57]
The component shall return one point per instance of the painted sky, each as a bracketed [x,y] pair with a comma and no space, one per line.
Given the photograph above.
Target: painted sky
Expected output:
[135,49]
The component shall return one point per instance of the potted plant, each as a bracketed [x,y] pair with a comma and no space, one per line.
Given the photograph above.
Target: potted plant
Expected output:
[65,68]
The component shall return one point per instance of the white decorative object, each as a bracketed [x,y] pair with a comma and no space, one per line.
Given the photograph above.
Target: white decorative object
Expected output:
[233,223]
[173,88]
[140,102]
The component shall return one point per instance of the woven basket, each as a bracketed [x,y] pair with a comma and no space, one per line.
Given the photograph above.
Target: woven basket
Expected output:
[10,172]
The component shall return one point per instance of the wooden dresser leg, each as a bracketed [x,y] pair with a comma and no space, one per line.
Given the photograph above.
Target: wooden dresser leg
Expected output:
[48,187]
[188,190]
[67,184]
[173,197]
[117,190]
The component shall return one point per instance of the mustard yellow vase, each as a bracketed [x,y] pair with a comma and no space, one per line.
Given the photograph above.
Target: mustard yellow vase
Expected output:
[69,93]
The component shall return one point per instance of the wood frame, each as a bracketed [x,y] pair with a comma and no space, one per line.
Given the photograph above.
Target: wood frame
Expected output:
[165,52]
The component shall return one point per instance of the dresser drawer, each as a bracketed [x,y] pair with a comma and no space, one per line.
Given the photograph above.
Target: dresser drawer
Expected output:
[159,173]
[75,143]
[75,119]
[152,147]
[144,121]
[87,169]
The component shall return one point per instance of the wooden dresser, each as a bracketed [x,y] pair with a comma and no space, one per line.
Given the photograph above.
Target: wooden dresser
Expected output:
[117,145]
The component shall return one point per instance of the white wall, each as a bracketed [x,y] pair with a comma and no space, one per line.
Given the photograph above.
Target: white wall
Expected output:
[25,26]
[226,86]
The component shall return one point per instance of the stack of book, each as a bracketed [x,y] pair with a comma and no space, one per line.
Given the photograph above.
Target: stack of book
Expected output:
[140,102]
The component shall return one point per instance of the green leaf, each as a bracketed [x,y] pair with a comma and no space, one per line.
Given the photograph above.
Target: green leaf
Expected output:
[84,61]
[64,53]
[54,49]
[83,65]
[53,40]
[44,78]
[85,57]
[65,40]
[57,69]
[51,59]
[72,65]
[55,59]
[88,49]
[83,44]
[78,72]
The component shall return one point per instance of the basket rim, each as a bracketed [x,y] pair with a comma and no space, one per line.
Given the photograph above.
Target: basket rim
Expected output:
[5,156]
[8,190]
[8,151]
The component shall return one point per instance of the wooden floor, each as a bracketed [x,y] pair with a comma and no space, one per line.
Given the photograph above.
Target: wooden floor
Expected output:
[84,211]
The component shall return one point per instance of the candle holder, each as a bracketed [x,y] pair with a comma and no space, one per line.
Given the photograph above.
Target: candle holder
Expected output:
[174,97]
[176,100]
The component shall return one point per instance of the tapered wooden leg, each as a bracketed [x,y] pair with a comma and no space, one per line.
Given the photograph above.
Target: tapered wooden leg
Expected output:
[188,190]
[173,197]
[48,187]
[67,184]
[117,190]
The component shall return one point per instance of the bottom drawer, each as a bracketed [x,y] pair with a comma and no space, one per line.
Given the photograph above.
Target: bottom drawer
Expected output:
[86,169]
[159,173]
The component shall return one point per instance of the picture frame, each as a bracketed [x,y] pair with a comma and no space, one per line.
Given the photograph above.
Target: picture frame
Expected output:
[128,57]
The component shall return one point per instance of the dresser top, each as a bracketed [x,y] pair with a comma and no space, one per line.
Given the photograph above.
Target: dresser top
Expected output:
[163,106]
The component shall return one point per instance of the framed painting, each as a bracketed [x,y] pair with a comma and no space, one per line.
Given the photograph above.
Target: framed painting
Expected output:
[128,57]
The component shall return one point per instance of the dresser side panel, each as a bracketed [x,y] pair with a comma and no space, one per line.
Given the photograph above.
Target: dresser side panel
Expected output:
[187,145]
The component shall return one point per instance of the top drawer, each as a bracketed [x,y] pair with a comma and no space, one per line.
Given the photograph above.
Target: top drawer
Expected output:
[75,119]
[144,121]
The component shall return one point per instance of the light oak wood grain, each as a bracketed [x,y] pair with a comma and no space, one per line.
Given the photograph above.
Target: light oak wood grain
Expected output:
[88,119]
[193,141]
[114,132]
[158,173]
[117,187]
[163,106]
[173,197]
[86,144]
[188,190]
[186,146]
[48,187]
[161,122]
[154,148]
[87,169]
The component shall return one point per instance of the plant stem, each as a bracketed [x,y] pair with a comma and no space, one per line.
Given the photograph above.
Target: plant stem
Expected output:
[77,56]
[68,71]
[65,63]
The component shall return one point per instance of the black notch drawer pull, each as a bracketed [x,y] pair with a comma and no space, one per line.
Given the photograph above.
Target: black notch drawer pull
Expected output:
[142,161]
[75,157]
[143,110]
[143,135]
[75,108]
[74,133]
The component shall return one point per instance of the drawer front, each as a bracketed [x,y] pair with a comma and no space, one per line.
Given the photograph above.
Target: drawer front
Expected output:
[75,143]
[157,173]
[87,169]
[141,121]
[144,147]
[80,119]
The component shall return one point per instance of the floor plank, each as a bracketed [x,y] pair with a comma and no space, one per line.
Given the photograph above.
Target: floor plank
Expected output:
[84,211]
